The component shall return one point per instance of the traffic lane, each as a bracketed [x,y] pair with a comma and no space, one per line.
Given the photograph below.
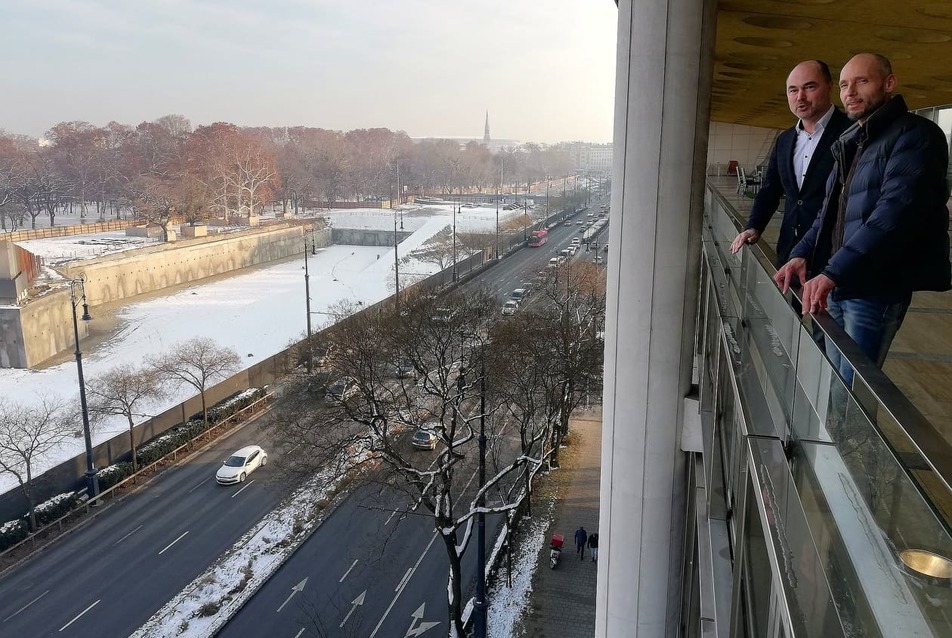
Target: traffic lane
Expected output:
[139,574]
[387,578]
[105,550]
[524,264]
[363,550]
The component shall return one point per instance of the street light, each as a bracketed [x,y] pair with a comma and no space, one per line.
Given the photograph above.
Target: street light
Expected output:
[307,300]
[455,273]
[92,481]
[480,605]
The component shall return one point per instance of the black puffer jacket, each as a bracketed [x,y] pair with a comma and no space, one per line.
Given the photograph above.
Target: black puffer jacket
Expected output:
[895,235]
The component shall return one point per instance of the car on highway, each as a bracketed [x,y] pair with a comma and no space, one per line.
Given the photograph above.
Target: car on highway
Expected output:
[509,308]
[568,222]
[518,295]
[340,390]
[579,223]
[239,465]
[423,440]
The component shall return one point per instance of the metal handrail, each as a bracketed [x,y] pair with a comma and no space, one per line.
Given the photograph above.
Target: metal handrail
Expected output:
[935,450]
[85,505]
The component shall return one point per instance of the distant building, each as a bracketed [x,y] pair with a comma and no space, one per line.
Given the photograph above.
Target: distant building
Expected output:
[591,158]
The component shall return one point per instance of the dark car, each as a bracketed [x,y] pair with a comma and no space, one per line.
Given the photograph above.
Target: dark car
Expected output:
[423,440]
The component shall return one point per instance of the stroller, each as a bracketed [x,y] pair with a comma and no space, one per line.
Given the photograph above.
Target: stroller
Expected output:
[555,549]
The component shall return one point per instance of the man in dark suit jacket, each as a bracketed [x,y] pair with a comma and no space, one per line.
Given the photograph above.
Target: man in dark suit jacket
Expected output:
[800,160]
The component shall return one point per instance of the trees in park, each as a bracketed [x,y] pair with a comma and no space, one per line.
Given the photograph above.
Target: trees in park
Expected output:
[29,433]
[198,362]
[124,391]
[439,367]
[225,170]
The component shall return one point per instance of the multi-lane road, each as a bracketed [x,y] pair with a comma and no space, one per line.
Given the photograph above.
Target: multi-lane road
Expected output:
[369,570]
[108,577]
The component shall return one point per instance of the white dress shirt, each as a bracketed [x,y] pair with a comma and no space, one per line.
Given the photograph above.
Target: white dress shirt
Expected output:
[806,145]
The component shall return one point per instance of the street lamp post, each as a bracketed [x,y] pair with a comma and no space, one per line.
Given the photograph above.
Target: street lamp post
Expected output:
[497,223]
[480,605]
[396,266]
[92,481]
[455,273]
[307,303]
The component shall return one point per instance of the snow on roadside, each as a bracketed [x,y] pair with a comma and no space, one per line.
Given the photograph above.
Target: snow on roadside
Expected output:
[508,604]
[250,562]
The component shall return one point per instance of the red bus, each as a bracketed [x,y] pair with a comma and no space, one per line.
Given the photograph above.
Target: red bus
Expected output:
[538,237]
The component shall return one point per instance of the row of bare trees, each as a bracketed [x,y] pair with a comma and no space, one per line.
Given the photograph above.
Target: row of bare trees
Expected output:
[31,433]
[166,168]
[517,378]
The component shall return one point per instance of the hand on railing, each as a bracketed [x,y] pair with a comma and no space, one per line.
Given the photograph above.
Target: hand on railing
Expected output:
[749,236]
[793,270]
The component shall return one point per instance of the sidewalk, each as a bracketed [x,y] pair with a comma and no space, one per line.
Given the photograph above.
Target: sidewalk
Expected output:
[563,599]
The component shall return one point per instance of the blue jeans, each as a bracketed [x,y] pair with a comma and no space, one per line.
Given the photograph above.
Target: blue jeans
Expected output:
[871,323]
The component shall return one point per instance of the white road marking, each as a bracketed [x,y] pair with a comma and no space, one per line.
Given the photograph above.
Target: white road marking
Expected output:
[403,581]
[26,605]
[79,616]
[348,571]
[397,595]
[173,542]
[298,634]
[247,485]
[199,485]
[127,535]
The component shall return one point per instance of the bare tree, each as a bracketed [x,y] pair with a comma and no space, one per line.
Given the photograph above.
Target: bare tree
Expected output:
[28,434]
[444,341]
[121,391]
[197,362]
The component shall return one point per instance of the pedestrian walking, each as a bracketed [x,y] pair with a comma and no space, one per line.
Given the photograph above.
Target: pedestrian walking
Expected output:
[581,537]
[593,545]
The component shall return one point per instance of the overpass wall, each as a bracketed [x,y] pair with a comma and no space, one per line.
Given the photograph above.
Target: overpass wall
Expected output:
[41,327]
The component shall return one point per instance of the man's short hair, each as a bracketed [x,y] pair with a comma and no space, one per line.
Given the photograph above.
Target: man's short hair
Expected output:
[825,70]
[885,66]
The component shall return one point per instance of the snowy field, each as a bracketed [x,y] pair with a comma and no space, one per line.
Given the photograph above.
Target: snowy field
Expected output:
[259,312]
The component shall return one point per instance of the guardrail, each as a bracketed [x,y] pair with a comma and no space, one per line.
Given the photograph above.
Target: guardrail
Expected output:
[44,534]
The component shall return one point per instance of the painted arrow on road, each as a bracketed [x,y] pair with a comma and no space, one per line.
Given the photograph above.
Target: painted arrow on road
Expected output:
[423,626]
[353,606]
[294,590]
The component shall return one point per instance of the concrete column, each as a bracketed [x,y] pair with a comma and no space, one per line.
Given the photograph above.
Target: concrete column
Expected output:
[661,121]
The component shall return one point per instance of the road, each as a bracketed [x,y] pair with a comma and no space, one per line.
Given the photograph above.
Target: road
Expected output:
[108,577]
[370,570]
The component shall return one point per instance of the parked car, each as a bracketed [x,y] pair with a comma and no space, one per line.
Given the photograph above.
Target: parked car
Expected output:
[509,308]
[554,262]
[239,465]
[579,223]
[340,390]
[568,222]
[527,288]
[423,440]
[576,240]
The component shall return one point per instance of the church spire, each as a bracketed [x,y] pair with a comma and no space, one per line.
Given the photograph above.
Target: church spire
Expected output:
[486,133]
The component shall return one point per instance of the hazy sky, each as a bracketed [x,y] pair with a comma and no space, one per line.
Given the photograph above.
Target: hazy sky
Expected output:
[543,68]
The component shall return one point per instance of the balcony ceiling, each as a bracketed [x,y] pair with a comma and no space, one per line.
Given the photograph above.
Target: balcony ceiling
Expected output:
[759,41]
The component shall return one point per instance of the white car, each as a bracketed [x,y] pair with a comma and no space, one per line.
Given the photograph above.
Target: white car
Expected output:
[239,465]
[509,308]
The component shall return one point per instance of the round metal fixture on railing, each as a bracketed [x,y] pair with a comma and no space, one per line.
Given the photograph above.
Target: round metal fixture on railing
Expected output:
[925,563]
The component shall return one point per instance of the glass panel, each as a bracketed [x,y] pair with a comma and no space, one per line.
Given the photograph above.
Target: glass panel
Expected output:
[800,571]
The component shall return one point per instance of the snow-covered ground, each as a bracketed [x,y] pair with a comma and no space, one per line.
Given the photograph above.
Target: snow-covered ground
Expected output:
[259,312]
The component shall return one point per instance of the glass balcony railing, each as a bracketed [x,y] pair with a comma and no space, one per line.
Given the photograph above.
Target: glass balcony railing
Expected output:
[848,488]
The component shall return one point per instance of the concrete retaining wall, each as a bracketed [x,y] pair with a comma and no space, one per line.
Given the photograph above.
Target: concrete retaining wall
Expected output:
[365,237]
[119,277]
[41,327]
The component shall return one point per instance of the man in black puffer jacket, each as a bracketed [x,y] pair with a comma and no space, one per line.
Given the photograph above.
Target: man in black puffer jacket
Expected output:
[883,230]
